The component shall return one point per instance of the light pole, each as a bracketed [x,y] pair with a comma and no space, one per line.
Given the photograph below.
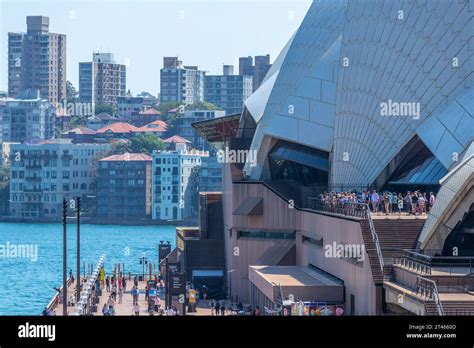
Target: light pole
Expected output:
[64,257]
[78,265]
[143,261]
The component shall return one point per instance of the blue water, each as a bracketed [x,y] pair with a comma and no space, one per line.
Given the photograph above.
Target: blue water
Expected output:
[26,286]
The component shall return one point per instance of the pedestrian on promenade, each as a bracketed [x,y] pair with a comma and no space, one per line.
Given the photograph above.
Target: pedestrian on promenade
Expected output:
[107,284]
[120,295]
[105,311]
[124,284]
[114,292]
[223,308]
[147,291]
[136,309]
[212,304]
[135,281]
[134,294]
[217,307]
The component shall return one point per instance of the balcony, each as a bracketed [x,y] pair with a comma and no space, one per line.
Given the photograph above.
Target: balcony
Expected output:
[33,166]
[33,178]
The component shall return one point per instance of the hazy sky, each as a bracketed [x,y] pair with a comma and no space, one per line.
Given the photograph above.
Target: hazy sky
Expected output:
[140,32]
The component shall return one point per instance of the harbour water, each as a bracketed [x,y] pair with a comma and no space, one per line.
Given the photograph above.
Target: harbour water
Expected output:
[27,283]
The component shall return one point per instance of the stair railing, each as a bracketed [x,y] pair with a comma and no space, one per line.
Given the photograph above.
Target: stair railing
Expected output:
[427,288]
[375,238]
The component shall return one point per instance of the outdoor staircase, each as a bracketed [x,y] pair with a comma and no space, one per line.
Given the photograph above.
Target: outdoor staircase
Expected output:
[392,234]
[451,307]
[371,249]
[398,233]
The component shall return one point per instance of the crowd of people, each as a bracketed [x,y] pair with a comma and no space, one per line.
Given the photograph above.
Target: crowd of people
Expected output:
[413,202]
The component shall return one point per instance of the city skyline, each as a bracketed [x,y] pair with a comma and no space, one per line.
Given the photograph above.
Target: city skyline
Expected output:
[144,61]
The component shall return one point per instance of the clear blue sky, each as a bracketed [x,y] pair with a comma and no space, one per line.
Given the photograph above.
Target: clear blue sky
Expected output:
[140,32]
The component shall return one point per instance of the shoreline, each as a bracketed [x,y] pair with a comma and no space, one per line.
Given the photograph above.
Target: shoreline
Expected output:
[104,221]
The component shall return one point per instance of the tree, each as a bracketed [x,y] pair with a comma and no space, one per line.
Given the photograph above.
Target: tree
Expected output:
[146,143]
[119,147]
[202,105]
[102,107]
[70,92]
[165,106]
[4,189]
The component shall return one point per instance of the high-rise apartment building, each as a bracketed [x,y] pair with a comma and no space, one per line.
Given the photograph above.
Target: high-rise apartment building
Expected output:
[180,83]
[37,61]
[101,81]
[246,66]
[257,70]
[26,120]
[124,186]
[228,91]
[175,183]
[43,174]
[261,67]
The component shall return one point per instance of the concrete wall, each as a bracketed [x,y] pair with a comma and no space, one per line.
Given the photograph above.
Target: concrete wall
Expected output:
[277,215]
[357,277]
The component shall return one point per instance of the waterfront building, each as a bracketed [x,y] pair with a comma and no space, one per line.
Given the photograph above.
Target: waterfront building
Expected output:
[27,119]
[319,122]
[101,81]
[124,186]
[175,183]
[228,91]
[180,83]
[144,117]
[42,174]
[37,61]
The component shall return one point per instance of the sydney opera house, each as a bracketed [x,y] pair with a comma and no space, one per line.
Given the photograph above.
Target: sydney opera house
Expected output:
[366,95]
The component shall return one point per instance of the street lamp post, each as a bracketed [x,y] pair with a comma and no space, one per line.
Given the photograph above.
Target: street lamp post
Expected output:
[64,257]
[78,275]
[143,261]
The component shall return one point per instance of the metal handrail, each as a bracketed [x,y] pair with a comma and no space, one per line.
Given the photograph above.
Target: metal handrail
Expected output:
[433,293]
[375,238]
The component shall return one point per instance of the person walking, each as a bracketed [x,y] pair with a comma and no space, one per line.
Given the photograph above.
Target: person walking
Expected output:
[386,203]
[107,284]
[114,292]
[217,307]
[374,199]
[105,311]
[136,309]
[432,200]
[120,295]
[124,284]
[222,308]
[400,204]
[212,304]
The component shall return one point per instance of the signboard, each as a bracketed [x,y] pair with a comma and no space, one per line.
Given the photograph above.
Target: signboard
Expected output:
[177,283]
[173,267]
[163,251]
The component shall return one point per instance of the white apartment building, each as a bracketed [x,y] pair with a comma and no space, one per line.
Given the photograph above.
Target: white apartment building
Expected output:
[175,187]
[42,174]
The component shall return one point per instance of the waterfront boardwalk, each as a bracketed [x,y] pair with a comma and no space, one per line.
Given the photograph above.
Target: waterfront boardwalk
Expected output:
[125,308]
